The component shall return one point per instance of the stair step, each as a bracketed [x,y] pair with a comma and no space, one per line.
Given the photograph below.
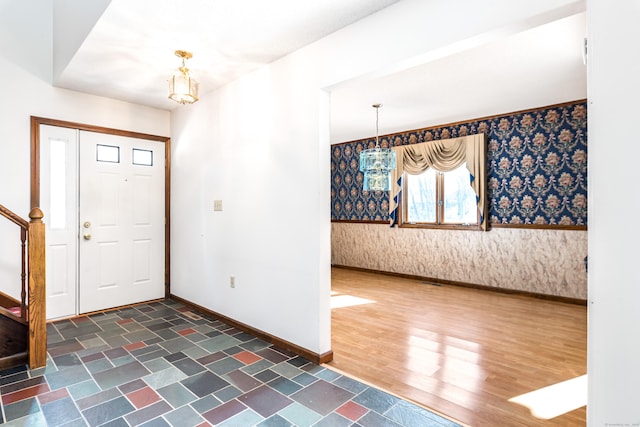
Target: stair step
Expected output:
[14,332]
[14,360]
[14,310]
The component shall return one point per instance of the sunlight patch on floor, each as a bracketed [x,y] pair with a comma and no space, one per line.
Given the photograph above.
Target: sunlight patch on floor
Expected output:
[554,400]
[339,301]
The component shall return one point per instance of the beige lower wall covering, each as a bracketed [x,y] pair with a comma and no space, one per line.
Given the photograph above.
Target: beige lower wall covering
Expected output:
[549,262]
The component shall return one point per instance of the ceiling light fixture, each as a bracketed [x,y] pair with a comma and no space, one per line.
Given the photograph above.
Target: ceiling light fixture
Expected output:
[182,87]
[377,164]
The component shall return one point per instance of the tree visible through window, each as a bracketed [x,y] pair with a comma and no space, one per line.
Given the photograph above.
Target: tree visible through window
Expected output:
[440,198]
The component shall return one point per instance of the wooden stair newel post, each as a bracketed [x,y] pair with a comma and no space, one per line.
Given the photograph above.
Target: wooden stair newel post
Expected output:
[37,291]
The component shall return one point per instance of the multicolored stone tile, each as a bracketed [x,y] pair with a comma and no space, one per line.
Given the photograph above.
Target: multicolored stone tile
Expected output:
[137,367]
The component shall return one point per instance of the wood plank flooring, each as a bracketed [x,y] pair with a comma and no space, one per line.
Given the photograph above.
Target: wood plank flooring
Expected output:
[461,352]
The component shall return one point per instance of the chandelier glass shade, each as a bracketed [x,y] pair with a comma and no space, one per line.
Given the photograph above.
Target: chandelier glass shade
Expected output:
[376,164]
[182,87]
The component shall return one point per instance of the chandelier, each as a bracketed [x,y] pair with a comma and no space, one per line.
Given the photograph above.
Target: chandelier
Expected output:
[182,87]
[377,164]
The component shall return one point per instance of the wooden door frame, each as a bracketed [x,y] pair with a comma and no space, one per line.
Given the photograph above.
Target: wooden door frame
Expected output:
[35,173]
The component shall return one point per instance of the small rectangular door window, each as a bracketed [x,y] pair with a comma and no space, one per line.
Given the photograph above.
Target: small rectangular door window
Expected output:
[142,157]
[108,153]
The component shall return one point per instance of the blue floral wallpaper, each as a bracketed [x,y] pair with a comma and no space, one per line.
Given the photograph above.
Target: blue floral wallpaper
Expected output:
[537,163]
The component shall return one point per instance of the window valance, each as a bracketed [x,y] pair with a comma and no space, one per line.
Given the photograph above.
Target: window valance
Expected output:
[443,155]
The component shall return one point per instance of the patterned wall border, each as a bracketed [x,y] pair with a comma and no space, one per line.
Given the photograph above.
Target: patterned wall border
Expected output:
[537,162]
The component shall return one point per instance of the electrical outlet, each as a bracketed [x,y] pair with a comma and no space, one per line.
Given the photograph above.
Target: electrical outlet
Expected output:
[217,205]
[232,281]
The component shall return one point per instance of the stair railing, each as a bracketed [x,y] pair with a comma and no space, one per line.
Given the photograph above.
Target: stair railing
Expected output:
[24,227]
[33,292]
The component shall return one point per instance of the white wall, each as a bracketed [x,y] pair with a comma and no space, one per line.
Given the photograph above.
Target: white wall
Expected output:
[26,92]
[25,35]
[614,282]
[261,146]
[234,147]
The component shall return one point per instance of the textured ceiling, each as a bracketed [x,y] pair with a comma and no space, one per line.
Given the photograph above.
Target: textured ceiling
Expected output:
[128,55]
[129,52]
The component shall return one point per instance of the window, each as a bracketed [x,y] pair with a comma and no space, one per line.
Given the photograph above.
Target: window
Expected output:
[142,157]
[107,153]
[441,184]
[440,198]
[58,184]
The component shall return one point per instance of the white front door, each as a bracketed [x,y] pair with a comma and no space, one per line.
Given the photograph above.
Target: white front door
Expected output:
[121,221]
[103,199]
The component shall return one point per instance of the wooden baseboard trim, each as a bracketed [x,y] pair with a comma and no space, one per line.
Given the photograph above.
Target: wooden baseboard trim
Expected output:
[567,300]
[278,342]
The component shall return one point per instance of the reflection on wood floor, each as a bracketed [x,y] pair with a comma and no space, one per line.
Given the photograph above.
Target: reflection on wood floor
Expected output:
[479,357]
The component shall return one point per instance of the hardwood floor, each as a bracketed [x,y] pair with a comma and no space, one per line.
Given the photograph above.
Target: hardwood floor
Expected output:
[461,352]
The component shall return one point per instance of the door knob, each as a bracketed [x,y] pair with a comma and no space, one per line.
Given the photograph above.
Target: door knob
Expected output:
[87,232]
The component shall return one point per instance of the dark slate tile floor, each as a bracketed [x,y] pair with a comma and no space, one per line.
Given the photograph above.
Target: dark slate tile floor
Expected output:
[161,364]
